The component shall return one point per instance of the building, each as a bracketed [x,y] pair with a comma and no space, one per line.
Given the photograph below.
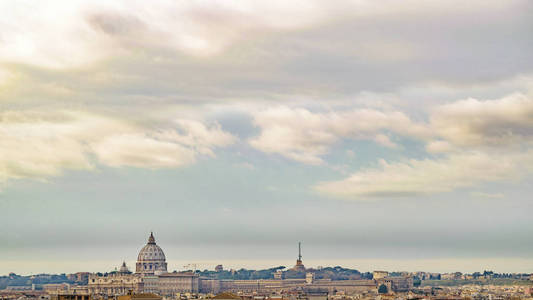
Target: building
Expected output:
[56,288]
[379,274]
[299,267]
[279,275]
[169,284]
[226,296]
[309,285]
[309,277]
[151,259]
[219,268]
[124,269]
[151,284]
[71,297]
[115,284]
[144,296]
[397,283]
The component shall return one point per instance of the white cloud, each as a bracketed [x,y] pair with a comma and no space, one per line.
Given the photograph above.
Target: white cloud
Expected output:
[482,141]
[385,141]
[63,34]
[42,144]
[427,176]
[439,146]
[305,136]
[70,33]
[161,149]
[36,144]
[501,122]
[139,150]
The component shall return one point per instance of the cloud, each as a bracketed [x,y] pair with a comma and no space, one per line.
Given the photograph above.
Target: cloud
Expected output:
[127,58]
[469,123]
[162,149]
[37,144]
[305,136]
[479,142]
[428,176]
[73,33]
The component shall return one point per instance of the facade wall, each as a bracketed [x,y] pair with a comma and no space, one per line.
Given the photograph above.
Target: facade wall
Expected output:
[349,286]
[171,284]
[114,284]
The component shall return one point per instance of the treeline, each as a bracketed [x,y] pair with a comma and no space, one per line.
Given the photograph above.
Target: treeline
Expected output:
[333,273]
[18,280]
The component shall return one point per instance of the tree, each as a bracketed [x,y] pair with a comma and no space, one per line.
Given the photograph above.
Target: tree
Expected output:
[383,289]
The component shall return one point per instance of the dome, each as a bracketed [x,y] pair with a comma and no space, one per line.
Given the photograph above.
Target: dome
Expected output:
[124,269]
[151,258]
[151,252]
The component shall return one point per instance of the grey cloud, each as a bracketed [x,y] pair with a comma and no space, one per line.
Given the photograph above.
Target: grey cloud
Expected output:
[332,59]
[115,24]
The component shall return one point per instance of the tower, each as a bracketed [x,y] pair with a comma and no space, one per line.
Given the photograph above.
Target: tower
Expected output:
[300,252]
[299,265]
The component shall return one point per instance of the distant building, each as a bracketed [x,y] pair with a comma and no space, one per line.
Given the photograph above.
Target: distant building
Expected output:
[71,297]
[309,277]
[172,283]
[397,283]
[279,275]
[124,269]
[379,274]
[151,284]
[151,259]
[226,296]
[299,267]
[219,268]
[115,284]
[145,296]
[56,288]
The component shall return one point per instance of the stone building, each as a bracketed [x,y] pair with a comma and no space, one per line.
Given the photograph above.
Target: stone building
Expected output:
[170,284]
[379,274]
[115,284]
[397,283]
[151,259]
[299,267]
[144,296]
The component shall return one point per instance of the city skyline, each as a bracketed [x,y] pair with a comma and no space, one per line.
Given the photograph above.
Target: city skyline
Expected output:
[362,264]
[383,135]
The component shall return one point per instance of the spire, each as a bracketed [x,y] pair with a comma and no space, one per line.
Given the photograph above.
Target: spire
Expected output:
[151,239]
[300,251]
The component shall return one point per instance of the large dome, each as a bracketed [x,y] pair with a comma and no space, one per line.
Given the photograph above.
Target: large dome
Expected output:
[151,252]
[151,258]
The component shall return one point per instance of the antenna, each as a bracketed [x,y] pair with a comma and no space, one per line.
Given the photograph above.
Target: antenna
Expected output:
[299,250]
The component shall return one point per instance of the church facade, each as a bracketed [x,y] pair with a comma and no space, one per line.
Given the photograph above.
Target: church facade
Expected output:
[151,276]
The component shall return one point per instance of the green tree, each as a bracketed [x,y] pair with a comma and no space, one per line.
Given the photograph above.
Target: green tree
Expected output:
[383,289]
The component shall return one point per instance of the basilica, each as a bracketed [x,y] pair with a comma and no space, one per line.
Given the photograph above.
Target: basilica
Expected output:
[151,259]
[151,276]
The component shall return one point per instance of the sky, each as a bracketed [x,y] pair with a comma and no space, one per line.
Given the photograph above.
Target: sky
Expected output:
[381,134]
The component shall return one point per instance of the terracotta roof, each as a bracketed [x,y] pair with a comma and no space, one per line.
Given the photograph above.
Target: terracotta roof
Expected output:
[145,296]
[227,296]
[180,274]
